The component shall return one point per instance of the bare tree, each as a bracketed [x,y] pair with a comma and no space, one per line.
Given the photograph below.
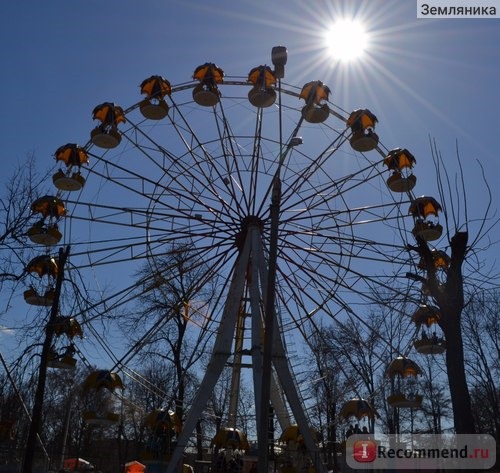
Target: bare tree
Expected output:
[14,421]
[482,341]
[331,387]
[174,313]
[436,400]
[449,290]
[21,189]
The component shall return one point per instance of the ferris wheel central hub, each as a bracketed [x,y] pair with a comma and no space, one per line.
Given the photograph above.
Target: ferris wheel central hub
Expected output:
[247,223]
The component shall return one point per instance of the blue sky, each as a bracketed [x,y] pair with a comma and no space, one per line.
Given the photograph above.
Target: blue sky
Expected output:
[422,77]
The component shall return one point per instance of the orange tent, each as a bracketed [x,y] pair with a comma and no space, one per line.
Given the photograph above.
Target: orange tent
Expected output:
[77,464]
[134,467]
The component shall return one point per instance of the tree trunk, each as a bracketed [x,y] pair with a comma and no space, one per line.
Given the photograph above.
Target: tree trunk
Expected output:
[36,418]
[459,391]
[449,297]
[199,440]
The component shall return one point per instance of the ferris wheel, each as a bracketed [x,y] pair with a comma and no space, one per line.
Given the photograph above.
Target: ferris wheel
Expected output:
[289,203]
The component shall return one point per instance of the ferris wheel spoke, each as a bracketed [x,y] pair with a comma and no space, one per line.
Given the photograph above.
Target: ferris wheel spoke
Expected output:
[294,292]
[234,160]
[256,163]
[180,186]
[304,176]
[331,273]
[178,179]
[319,196]
[334,219]
[213,167]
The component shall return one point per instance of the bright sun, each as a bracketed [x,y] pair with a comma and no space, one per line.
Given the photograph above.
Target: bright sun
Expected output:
[346,40]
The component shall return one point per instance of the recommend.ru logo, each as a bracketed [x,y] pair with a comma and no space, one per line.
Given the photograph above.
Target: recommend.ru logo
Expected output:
[421,451]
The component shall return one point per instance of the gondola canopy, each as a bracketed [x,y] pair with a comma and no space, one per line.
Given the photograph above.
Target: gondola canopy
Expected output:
[229,437]
[399,159]
[44,265]
[315,94]
[164,418]
[49,206]
[424,206]
[262,76]
[156,87]
[403,367]
[358,408]
[72,155]
[68,326]
[440,260]
[361,120]
[426,315]
[109,114]
[103,379]
[209,72]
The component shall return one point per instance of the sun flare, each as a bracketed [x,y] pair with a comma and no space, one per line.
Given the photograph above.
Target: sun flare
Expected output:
[346,40]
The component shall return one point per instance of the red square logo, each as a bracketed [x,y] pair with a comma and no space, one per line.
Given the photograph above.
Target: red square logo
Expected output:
[364,451]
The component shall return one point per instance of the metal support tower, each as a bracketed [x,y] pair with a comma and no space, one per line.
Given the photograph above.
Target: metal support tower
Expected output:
[249,278]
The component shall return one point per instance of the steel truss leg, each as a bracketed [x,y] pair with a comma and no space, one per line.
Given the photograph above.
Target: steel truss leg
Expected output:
[220,354]
[288,385]
[252,256]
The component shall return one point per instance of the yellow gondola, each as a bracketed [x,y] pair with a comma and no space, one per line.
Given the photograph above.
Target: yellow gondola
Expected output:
[156,88]
[73,156]
[103,379]
[106,134]
[206,93]
[362,123]
[42,232]
[44,265]
[97,380]
[165,418]
[262,93]
[316,95]
[422,208]
[68,326]
[400,161]
[292,437]
[402,368]
[428,344]
[229,437]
